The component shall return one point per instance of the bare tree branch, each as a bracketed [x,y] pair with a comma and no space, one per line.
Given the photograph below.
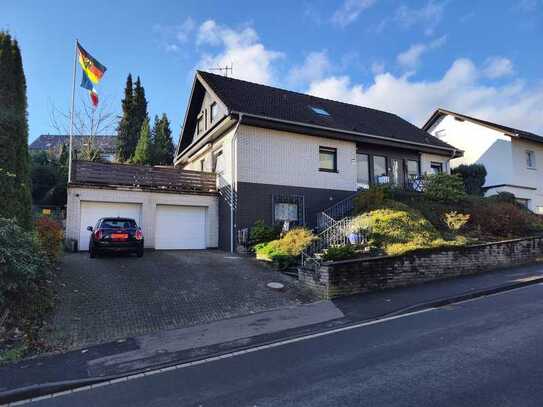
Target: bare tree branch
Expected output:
[88,120]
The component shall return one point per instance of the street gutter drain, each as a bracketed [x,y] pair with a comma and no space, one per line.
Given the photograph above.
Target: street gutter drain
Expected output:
[275,286]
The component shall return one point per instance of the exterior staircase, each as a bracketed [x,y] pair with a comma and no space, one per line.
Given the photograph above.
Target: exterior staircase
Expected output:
[333,224]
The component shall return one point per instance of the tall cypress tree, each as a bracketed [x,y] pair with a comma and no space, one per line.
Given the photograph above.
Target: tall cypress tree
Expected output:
[139,113]
[14,157]
[125,129]
[142,155]
[163,148]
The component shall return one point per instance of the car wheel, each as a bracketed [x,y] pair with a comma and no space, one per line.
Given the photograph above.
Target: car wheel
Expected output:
[139,252]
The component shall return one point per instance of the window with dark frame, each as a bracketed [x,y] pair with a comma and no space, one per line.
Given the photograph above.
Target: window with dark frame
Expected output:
[530,159]
[202,165]
[380,170]
[413,169]
[328,159]
[205,119]
[288,208]
[437,168]
[363,170]
[199,125]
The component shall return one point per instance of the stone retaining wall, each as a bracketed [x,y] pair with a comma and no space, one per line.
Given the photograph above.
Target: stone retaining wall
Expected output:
[336,279]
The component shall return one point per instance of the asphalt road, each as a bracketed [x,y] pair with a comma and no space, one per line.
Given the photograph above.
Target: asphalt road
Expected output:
[486,352]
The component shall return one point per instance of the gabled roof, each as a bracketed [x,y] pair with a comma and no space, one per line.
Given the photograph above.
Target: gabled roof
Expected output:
[106,143]
[157,178]
[276,104]
[501,128]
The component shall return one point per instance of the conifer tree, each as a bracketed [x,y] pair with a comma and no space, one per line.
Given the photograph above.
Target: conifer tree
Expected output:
[125,129]
[139,113]
[142,155]
[163,148]
[14,157]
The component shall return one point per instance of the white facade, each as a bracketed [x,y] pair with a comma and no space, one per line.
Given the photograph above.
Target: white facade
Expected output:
[148,201]
[504,157]
[266,156]
[281,158]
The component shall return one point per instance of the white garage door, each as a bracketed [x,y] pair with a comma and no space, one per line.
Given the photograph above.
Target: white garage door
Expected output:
[180,227]
[92,211]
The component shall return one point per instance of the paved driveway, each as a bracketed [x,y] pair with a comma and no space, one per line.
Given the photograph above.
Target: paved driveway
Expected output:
[109,298]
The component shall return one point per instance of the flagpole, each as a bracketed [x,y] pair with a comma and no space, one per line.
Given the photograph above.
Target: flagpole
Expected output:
[72,117]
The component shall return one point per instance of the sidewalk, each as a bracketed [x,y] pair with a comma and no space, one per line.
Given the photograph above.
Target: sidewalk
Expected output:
[181,345]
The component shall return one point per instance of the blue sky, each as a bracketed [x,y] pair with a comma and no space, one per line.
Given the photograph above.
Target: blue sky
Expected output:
[480,57]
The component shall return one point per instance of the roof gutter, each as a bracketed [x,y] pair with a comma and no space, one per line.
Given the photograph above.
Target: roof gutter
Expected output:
[356,133]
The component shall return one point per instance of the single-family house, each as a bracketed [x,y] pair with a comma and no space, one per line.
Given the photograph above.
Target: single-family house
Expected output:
[286,156]
[513,158]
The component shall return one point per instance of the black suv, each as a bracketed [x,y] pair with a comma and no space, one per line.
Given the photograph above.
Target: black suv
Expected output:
[115,234]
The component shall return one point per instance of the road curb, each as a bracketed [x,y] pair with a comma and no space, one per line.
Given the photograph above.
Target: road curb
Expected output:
[41,390]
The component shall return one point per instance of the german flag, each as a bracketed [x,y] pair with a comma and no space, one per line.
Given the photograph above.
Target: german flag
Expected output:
[94,69]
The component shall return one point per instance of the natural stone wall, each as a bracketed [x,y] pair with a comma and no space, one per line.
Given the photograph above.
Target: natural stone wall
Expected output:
[336,279]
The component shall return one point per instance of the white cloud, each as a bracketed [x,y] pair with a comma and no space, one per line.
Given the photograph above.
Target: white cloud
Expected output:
[172,36]
[428,16]
[240,48]
[497,67]
[350,10]
[458,89]
[377,67]
[315,66]
[411,57]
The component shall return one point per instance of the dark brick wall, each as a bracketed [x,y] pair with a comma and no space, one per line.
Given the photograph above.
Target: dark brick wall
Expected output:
[255,201]
[378,273]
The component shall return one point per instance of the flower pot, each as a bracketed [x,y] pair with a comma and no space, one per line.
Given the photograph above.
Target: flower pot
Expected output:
[354,238]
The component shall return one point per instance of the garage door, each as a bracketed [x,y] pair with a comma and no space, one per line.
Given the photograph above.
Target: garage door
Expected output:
[180,227]
[92,211]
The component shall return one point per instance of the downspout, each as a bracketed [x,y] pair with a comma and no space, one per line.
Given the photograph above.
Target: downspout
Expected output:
[233,175]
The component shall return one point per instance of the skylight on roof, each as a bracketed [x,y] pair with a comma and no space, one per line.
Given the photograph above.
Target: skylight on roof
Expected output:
[319,110]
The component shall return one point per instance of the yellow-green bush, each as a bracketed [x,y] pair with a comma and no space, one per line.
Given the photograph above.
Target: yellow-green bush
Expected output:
[402,229]
[284,252]
[375,197]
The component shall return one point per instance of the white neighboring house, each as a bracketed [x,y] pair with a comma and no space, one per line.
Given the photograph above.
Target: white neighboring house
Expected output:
[513,158]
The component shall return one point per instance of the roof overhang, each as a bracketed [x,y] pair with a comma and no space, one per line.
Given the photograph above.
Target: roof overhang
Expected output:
[338,134]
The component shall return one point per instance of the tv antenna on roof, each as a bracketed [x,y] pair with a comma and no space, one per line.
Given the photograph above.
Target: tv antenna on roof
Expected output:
[224,69]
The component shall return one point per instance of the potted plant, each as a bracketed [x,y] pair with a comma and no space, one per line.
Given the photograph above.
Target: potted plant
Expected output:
[358,230]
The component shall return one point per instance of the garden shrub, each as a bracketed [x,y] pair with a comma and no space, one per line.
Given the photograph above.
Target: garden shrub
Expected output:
[373,198]
[50,237]
[336,253]
[444,188]
[495,219]
[456,221]
[504,197]
[25,284]
[262,233]
[473,176]
[285,251]
[402,229]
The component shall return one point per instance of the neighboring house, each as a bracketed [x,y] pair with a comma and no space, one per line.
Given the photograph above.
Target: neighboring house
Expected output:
[513,158]
[53,144]
[281,155]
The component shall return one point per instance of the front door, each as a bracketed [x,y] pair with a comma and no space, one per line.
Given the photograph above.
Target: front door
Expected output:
[396,172]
